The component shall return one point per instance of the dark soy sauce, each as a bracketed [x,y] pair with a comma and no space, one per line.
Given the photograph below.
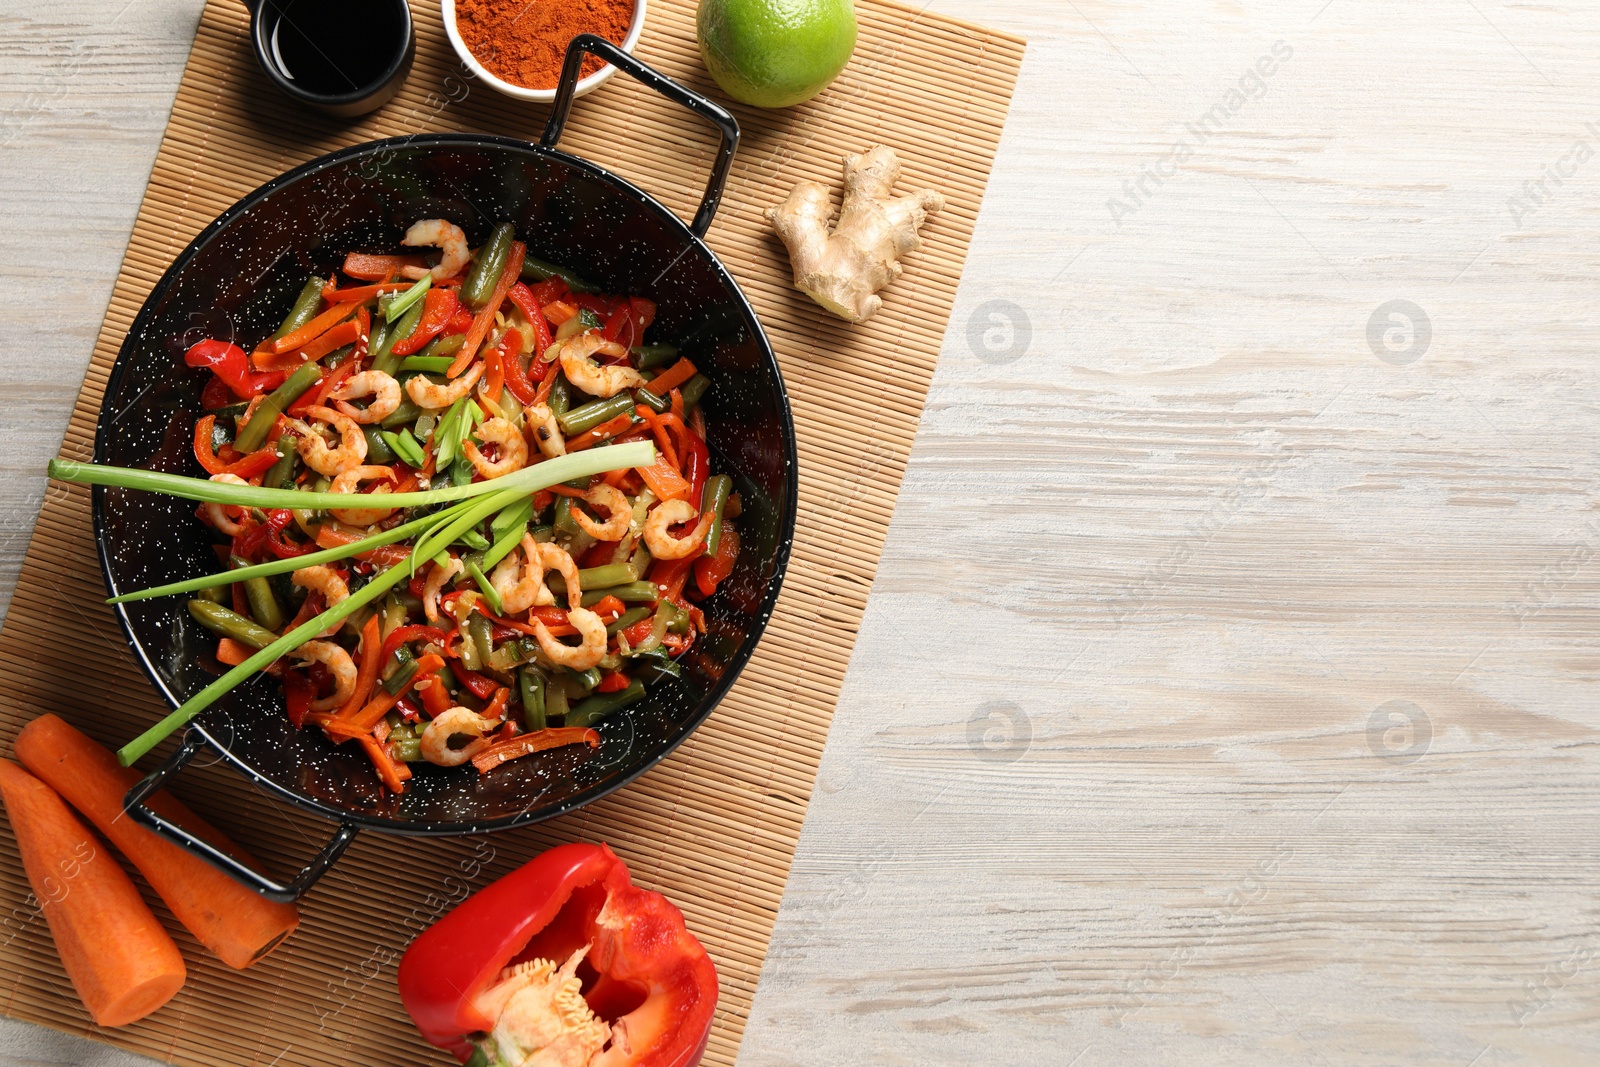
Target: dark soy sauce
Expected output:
[334,47]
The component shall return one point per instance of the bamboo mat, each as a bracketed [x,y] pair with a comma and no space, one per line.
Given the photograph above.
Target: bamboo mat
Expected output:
[714,826]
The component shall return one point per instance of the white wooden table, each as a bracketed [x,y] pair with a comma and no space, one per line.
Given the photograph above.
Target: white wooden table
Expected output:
[1228,691]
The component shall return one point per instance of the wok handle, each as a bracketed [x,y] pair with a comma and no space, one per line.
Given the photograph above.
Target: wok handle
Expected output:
[134,804]
[718,116]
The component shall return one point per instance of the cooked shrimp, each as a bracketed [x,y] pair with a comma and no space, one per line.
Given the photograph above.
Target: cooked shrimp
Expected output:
[620,519]
[218,513]
[384,391]
[428,394]
[513,449]
[436,581]
[555,558]
[546,431]
[324,580]
[580,657]
[519,593]
[590,376]
[448,725]
[327,461]
[658,530]
[350,482]
[447,238]
[339,664]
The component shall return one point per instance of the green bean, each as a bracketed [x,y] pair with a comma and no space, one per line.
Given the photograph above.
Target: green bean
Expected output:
[383,357]
[648,356]
[478,285]
[537,270]
[563,520]
[263,604]
[555,702]
[281,474]
[378,336]
[594,413]
[403,674]
[402,416]
[560,395]
[594,709]
[406,447]
[714,498]
[338,356]
[229,623]
[401,303]
[579,683]
[439,347]
[530,686]
[305,308]
[254,434]
[694,389]
[608,575]
[640,560]
[627,619]
[481,630]
[431,364]
[630,593]
[378,450]
[651,401]
[407,750]
[216,594]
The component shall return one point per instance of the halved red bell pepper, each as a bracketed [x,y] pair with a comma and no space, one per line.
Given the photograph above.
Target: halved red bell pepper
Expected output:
[500,967]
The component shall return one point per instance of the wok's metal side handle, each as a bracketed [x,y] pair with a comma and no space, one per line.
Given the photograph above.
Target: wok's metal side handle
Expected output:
[715,114]
[134,804]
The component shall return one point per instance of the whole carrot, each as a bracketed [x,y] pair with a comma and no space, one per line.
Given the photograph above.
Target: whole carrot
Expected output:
[230,920]
[120,960]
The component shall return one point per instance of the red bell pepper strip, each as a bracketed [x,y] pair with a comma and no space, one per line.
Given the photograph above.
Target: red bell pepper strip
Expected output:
[298,692]
[404,635]
[696,464]
[644,313]
[620,328]
[612,683]
[546,292]
[638,632]
[479,686]
[709,571]
[672,574]
[258,462]
[551,909]
[438,308]
[518,380]
[460,322]
[230,364]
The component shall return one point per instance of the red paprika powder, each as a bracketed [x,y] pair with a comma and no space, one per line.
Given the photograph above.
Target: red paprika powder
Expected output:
[524,41]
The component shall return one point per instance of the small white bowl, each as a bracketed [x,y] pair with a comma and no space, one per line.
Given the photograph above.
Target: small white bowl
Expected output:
[543,96]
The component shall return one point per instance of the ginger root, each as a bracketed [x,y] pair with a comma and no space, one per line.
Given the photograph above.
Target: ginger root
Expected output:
[844,270]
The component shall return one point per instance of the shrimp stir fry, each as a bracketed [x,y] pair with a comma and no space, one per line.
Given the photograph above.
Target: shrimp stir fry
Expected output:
[554,611]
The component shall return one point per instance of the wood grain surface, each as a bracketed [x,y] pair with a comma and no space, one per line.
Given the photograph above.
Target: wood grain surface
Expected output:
[1227,691]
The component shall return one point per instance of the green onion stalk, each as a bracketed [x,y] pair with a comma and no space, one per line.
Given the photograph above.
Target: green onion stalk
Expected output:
[472,505]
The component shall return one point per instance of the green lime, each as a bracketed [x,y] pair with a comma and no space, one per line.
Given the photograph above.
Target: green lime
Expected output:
[774,53]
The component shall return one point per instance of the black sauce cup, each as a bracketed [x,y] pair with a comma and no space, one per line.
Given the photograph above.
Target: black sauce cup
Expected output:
[344,57]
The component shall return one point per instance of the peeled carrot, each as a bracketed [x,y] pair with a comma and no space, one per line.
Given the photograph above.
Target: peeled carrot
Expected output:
[122,963]
[230,920]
